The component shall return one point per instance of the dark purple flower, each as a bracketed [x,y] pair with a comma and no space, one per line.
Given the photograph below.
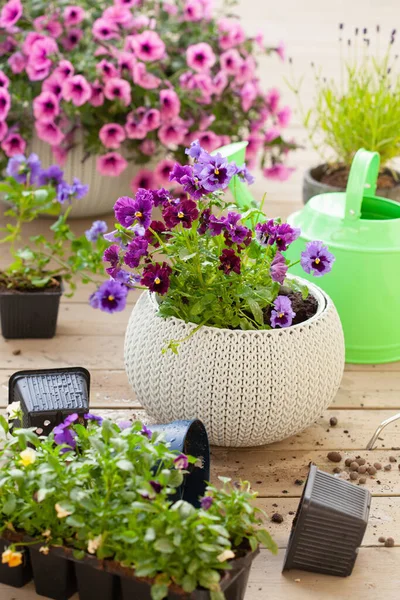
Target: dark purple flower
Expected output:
[184,212]
[244,174]
[206,502]
[204,221]
[214,172]
[110,297]
[216,226]
[157,487]
[159,228]
[146,431]
[316,259]
[282,315]
[285,235]
[65,436]
[179,171]
[128,210]
[181,462]
[160,196]
[278,268]
[92,417]
[97,229]
[111,255]
[229,262]
[266,233]
[237,233]
[20,168]
[136,249]
[51,176]
[156,277]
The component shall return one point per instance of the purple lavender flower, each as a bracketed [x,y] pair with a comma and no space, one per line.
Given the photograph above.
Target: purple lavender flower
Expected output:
[285,235]
[237,233]
[97,229]
[79,189]
[136,249]
[244,174]
[128,210]
[20,168]
[146,431]
[110,297]
[278,268]
[206,502]
[51,176]
[229,262]
[282,315]
[317,259]
[214,172]
[65,436]
[92,417]
[181,462]
[111,255]
[266,232]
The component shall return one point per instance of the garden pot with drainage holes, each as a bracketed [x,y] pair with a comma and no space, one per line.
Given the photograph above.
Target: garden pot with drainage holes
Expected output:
[363,232]
[329,525]
[53,575]
[47,396]
[189,437]
[16,576]
[29,314]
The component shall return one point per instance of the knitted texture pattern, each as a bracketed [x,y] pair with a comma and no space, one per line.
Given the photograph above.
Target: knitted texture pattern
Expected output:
[248,387]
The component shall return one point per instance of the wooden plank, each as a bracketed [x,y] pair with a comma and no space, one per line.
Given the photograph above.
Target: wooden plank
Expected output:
[384,519]
[82,319]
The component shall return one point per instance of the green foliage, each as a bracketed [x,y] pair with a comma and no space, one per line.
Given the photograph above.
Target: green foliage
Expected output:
[110,497]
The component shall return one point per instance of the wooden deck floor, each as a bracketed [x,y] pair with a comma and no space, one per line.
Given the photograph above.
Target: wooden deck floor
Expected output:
[368,394]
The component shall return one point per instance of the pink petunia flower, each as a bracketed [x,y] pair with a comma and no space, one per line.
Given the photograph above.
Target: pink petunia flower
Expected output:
[148,46]
[272,134]
[3,130]
[148,147]
[248,94]
[135,129]
[118,89]
[111,164]
[31,38]
[193,10]
[209,140]
[272,99]
[53,84]
[220,82]
[128,3]
[283,116]
[126,61]
[121,15]
[10,13]
[231,34]
[49,25]
[60,155]
[73,15]
[144,179]
[278,172]
[202,83]
[162,171]
[200,57]
[49,132]
[152,119]
[72,39]
[246,70]
[40,52]
[255,143]
[17,62]
[13,144]
[76,90]
[112,135]
[142,78]
[4,80]
[64,69]
[172,134]
[106,69]
[231,61]
[37,73]
[46,107]
[170,104]
[281,50]
[97,97]
[105,30]
[5,103]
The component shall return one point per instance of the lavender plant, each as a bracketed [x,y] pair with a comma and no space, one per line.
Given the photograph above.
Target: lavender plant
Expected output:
[30,192]
[104,490]
[208,263]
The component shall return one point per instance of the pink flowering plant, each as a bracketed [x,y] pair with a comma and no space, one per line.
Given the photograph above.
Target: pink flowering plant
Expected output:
[208,263]
[108,490]
[31,191]
[132,80]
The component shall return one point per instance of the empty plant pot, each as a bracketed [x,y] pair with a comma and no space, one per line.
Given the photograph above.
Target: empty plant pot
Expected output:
[15,576]
[47,396]
[29,314]
[190,437]
[329,525]
[54,576]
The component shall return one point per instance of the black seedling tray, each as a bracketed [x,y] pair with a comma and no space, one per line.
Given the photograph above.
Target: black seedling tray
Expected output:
[47,396]
[189,437]
[329,525]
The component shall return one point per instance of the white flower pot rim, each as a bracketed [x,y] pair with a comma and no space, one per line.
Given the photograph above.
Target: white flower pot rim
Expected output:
[322,298]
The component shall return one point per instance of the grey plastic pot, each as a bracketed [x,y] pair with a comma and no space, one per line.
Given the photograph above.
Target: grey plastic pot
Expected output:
[312,186]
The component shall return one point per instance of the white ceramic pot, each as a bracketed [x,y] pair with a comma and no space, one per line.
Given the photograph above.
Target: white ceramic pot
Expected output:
[103,191]
[248,387]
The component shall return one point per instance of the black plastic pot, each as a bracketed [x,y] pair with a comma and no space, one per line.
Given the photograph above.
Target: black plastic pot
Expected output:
[29,314]
[329,525]
[189,437]
[312,185]
[15,576]
[53,575]
[94,583]
[47,396]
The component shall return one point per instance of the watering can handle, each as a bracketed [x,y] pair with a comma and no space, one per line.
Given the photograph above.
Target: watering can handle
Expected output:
[362,182]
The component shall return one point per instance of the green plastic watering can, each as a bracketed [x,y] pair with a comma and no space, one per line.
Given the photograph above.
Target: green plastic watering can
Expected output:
[363,232]
[236,152]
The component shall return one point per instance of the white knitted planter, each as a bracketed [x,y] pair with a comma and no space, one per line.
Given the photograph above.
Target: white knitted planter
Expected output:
[248,387]
[103,191]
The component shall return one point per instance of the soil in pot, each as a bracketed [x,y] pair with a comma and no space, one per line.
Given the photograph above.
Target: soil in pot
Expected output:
[337,176]
[54,576]
[304,309]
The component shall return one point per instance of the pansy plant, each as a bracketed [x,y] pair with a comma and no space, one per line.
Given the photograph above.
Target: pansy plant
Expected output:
[105,489]
[208,263]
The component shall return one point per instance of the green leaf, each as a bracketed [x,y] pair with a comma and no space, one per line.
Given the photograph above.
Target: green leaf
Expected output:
[125,465]
[256,310]
[43,492]
[175,478]
[78,554]
[189,583]
[75,521]
[4,424]
[159,591]
[150,535]
[9,505]
[40,282]
[264,537]
[164,545]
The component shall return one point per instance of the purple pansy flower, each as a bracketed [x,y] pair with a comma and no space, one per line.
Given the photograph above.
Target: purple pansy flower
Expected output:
[266,232]
[316,259]
[214,172]
[178,172]
[20,167]
[204,221]
[156,277]
[160,196]
[181,462]
[79,189]
[285,235]
[244,174]
[97,229]
[237,233]
[282,315]
[92,417]
[111,255]
[206,502]
[184,212]
[195,151]
[136,249]
[51,176]
[229,262]
[215,225]
[278,268]
[146,431]
[157,227]
[65,436]
[124,425]
[110,297]
[128,210]
[64,192]
[157,487]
